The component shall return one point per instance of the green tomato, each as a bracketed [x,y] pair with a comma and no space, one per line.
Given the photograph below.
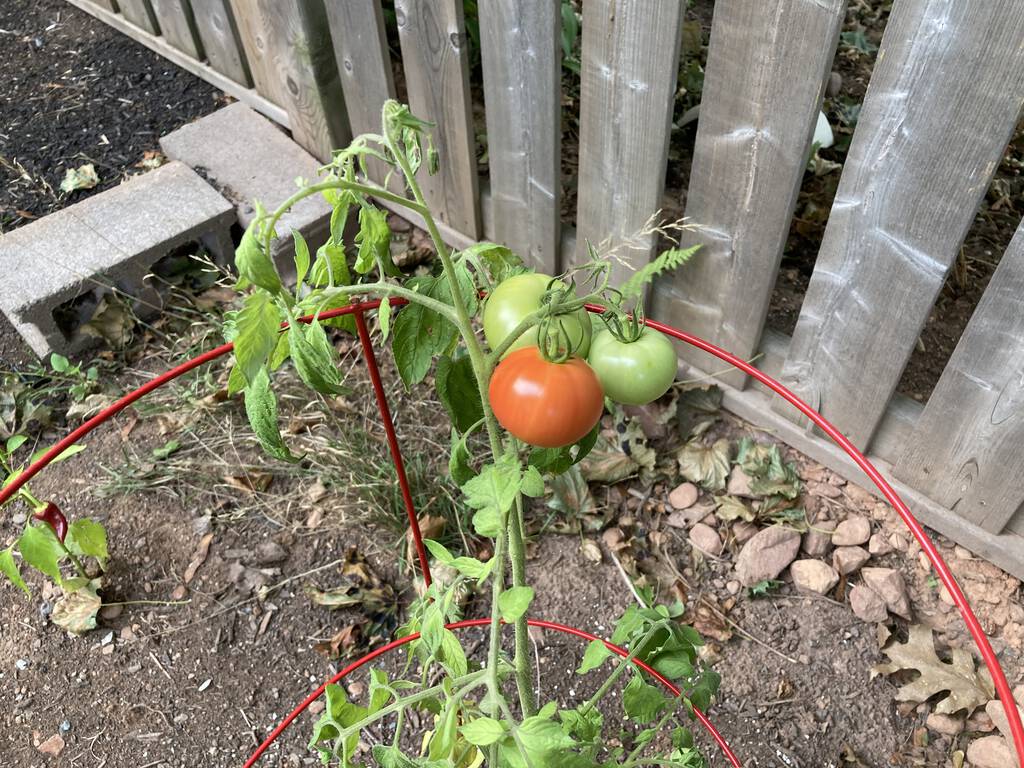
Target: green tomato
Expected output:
[636,373]
[518,296]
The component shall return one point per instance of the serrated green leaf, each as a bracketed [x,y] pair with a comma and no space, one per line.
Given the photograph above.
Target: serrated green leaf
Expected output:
[641,701]
[439,551]
[301,258]
[420,334]
[595,655]
[532,484]
[384,319]
[41,550]
[88,538]
[330,267]
[9,568]
[374,239]
[261,408]
[257,326]
[252,262]
[458,461]
[492,493]
[458,391]
[483,731]
[514,602]
[315,357]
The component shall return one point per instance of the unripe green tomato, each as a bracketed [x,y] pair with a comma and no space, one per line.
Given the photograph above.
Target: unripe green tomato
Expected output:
[634,373]
[520,295]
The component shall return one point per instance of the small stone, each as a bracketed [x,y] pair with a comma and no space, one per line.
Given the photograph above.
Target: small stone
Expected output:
[19,518]
[835,84]
[52,746]
[739,483]
[179,592]
[867,605]
[980,722]
[706,539]
[889,585]
[944,724]
[202,525]
[767,555]
[989,752]
[852,532]
[995,710]
[743,531]
[270,553]
[878,545]
[818,540]
[827,490]
[859,496]
[733,587]
[962,554]
[180,719]
[848,560]
[21,664]
[317,707]
[684,496]
[65,726]
[107,639]
[111,612]
[205,684]
[107,650]
[813,576]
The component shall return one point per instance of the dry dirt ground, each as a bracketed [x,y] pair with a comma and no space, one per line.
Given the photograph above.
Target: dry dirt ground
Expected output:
[194,675]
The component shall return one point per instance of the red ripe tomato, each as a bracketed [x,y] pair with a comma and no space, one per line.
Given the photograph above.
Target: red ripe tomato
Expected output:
[546,404]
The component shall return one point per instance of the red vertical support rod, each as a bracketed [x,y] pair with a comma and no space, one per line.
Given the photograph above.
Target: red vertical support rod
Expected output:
[389,429]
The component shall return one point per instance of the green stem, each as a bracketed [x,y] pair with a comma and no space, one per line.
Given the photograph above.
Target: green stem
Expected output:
[74,560]
[390,289]
[517,554]
[631,758]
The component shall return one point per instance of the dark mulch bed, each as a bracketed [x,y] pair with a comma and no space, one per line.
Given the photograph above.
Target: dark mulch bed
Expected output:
[76,91]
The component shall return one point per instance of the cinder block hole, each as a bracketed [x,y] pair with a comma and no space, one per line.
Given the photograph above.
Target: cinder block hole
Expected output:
[189,267]
[76,312]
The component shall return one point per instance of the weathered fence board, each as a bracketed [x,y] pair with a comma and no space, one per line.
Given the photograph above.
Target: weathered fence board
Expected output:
[105,4]
[630,68]
[363,62]
[519,41]
[139,13]
[763,87]
[177,25]
[967,451]
[299,44]
[254,30]
[433,39]
[217,30]
[933,127]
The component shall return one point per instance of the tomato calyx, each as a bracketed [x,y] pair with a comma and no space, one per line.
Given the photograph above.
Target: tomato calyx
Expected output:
[624,326]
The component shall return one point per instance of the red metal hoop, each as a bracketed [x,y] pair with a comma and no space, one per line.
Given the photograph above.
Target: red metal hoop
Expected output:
[943,571]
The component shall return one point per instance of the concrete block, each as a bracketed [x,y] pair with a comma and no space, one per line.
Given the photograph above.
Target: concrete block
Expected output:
[247,158]
[107,243]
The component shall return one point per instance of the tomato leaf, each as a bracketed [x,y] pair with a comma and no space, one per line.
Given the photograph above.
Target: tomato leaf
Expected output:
[253,263]
[457,388]
[492,493]
[76,610]
[315,357]
[374,239]
[9,568]
[330,267]
[88,538]
[642,701]
[514,602]
[301,258]
[261,408]
[595,655]
[40,549]
[483,731]
[257,326]
[419,334]
[458,460]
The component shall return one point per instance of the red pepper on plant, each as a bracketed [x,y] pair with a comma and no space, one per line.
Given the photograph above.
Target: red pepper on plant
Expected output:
[50,514]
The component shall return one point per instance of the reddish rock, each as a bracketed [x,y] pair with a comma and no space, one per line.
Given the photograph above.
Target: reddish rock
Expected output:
[818,539]
[848,560]
[889,585]
[867,605]
[767,555]
[852,532]
[813,576]
[706,539]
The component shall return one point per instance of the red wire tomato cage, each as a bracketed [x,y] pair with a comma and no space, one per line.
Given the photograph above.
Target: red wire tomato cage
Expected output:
[358,311]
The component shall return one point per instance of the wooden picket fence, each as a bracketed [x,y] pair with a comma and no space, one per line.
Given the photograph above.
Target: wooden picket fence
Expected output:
[943,101]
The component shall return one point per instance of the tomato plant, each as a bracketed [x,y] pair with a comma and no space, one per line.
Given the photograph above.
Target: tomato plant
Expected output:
[546,404]
[633,372]
[516,298]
